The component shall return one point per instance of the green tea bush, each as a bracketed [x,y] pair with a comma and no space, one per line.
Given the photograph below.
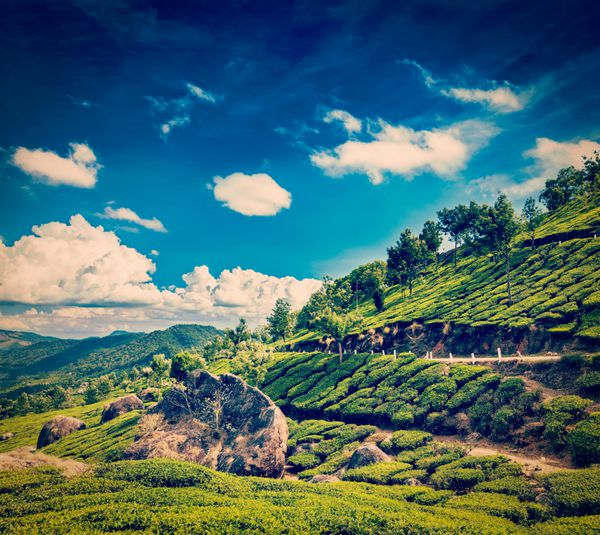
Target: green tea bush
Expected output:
[590,382]
[574,492]
[493,504]
[508,390]
[512,485]
[560,412]
[583,441]
[304,461]
[457,479]
[405,440]
[471,390]
[379,473]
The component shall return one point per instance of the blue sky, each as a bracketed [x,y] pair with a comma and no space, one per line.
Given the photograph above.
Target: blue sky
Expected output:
[359,118]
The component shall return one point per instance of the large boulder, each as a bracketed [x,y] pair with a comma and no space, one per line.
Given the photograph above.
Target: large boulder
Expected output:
[366,455]
[219,422]
[60,426]
[121,406]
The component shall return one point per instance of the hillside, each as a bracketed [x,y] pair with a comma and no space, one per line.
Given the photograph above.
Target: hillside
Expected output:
[464,308]
[96,356]
[15,339]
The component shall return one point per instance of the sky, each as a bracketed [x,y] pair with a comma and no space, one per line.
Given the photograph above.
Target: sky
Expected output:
[176,162]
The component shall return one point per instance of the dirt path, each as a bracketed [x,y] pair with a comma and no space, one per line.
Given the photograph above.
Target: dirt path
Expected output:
[532,460]
[28,457]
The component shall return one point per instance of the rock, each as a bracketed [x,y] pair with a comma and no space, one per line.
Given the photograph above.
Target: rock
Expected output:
[149,394]
[6,436]
[367,454]
[219,422]
[323,478]
[57,428]
[121,406]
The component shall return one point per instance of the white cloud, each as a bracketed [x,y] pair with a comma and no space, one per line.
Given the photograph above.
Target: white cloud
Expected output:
[550,157]
[501,99]
[79,168]
[202,94]
[126,214]
[177,111]
[251,195]
[399,150]
[350,123]
[74,263]
[62,266]
[154,252]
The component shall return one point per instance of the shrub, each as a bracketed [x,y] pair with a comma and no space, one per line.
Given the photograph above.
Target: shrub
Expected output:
[574,492]
[508,390]
[514,486]
[379,473]
[504,420]
[493,504]
[472,390]
[560,412]
[304,461]
[583,441]
[590,382]
[405,440]
[458,479]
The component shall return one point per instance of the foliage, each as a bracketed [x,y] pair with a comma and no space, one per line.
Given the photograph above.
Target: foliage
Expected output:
[405,440]
[185,362]
[280,321]
[574,492]
[250,361]
[583,441]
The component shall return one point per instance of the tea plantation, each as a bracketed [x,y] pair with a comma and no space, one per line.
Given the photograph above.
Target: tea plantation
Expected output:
[165,496]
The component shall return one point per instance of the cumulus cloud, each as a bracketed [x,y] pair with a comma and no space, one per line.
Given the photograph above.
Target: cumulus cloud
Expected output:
[501,99]
[350,123]
[74,263]
[549,158]
[79,168]
[251,195]
[399,150]
[126,214]
[176,112]
[63,266]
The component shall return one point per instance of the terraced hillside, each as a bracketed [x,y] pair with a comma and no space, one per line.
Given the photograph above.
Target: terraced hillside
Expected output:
[464,308]
[408,392]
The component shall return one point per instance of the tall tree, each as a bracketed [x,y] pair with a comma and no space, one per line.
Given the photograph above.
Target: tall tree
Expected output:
[532,215]
[251,360]
[455,222]
[497,229]
[560,190]
[240,334]
[338,326]
[431,236]
[405,258]
[280,320]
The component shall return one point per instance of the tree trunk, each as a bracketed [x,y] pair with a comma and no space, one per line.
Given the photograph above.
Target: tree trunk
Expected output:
[455,247]
[341,352]
[508,278]
[533,240]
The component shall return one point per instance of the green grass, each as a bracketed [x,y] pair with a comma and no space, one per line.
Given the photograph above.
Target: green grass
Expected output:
[99,443]
[27,428]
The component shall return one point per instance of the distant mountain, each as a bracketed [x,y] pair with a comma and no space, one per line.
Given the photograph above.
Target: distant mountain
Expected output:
[12,339]
[99,355]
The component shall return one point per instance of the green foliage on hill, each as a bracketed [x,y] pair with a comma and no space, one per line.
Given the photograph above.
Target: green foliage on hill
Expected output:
[553,286]
[163,496]
[105,442]
[574,492]
[69,360]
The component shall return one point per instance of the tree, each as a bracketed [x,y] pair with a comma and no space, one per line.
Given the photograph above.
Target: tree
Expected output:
[336,295]
[560,190]
[251,360]
[431,236]
[405,258]
[455,222]
[280,320]
[184,362]
[240,334]
[368,278]
[497,228]
[533,217]
[338,326]
[91,394]
[160,365]
[220,347]
[379,298]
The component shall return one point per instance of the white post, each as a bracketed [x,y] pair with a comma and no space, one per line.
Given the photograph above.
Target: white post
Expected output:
[383,351]
[519,355]
[371,351]
[473,358]
[451,357]
[499,354]
[395,353]
[355,351]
